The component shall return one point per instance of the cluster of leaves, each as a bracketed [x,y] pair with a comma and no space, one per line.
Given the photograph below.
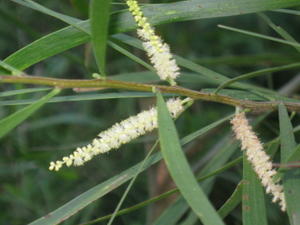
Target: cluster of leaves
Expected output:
[34,39]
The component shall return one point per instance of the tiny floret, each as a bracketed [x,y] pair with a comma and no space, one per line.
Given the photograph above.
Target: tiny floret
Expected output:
[157,51]
[119,134]
[260,161]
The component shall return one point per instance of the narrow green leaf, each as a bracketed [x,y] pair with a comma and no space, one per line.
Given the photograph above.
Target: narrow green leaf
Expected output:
[34,5]
[208,75]
[287,138]
[295,155]
[70,37]
[205,129]
[173,214]
[64,212]
[22,91]
[288,11]
[130,55]
[180,169]
[83,97]
[254,208]
[191,219]
[257,73]
[81,201]
[13,120]
[65,18]
[291,181]
[166,194]
[6,66]
[213,167]
[283,33]
[99,23]
[254,34]
[232,202]
[117,209]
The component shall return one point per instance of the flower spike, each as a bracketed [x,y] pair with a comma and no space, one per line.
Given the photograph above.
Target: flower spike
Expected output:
[260,161]
[157,51]
[119,134]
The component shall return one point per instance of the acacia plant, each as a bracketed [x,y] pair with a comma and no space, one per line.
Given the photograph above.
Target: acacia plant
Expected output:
[218,159]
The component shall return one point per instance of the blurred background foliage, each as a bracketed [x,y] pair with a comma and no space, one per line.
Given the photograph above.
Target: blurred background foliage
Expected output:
[28,190]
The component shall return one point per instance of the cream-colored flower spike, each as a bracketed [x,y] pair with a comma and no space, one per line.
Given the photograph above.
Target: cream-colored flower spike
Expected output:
[119,134]
[260,161]
[157,51]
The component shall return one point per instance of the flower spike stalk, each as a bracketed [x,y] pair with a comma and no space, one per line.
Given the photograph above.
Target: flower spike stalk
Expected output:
[119,134]
[260,161]
[157,51]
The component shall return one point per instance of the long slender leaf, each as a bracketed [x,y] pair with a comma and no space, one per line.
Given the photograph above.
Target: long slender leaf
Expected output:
[291,181]
[225,152]
[283,33]
[99,23]
[34,5]
[6,66]
[82,97]
[164,195]
[208,75]
[258,73]
[294,44]
[288,11]
[70,37]
[81,201]
[254,208]
[22,91]
[13,120]
[232,201]
[179,167]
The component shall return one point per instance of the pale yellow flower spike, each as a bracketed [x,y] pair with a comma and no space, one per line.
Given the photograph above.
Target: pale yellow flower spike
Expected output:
[157,51]
[260,161]
[119,134]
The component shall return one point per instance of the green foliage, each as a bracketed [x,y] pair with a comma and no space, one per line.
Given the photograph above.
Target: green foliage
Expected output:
[253,59]
[291,179]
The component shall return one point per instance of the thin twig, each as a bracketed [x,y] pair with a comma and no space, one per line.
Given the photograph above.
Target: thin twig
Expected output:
[105,83]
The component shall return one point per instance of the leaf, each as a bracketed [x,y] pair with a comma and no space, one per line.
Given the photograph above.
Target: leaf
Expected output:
[254,208]
[232,201]
[99,23]
[22,91]
[258,73]
[64,212]
[291,181]
[213,167]
[173,214]
[250,33]
[208,75]
[8,67]
[287,138]
[13,120]
[70,37]
[131,56]
[197,133]
[295,155]
[180,169]
[83,97]
[81,201]
[283,33]
[288,11]
[34,5]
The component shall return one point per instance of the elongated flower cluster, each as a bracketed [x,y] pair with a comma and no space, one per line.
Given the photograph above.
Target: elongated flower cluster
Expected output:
[157,51]
[118,134]
[258,158]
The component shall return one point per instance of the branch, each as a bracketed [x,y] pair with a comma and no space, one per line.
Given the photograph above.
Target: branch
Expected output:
[105,83]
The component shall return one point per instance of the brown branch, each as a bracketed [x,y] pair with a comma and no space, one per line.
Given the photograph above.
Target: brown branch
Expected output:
[105,83]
